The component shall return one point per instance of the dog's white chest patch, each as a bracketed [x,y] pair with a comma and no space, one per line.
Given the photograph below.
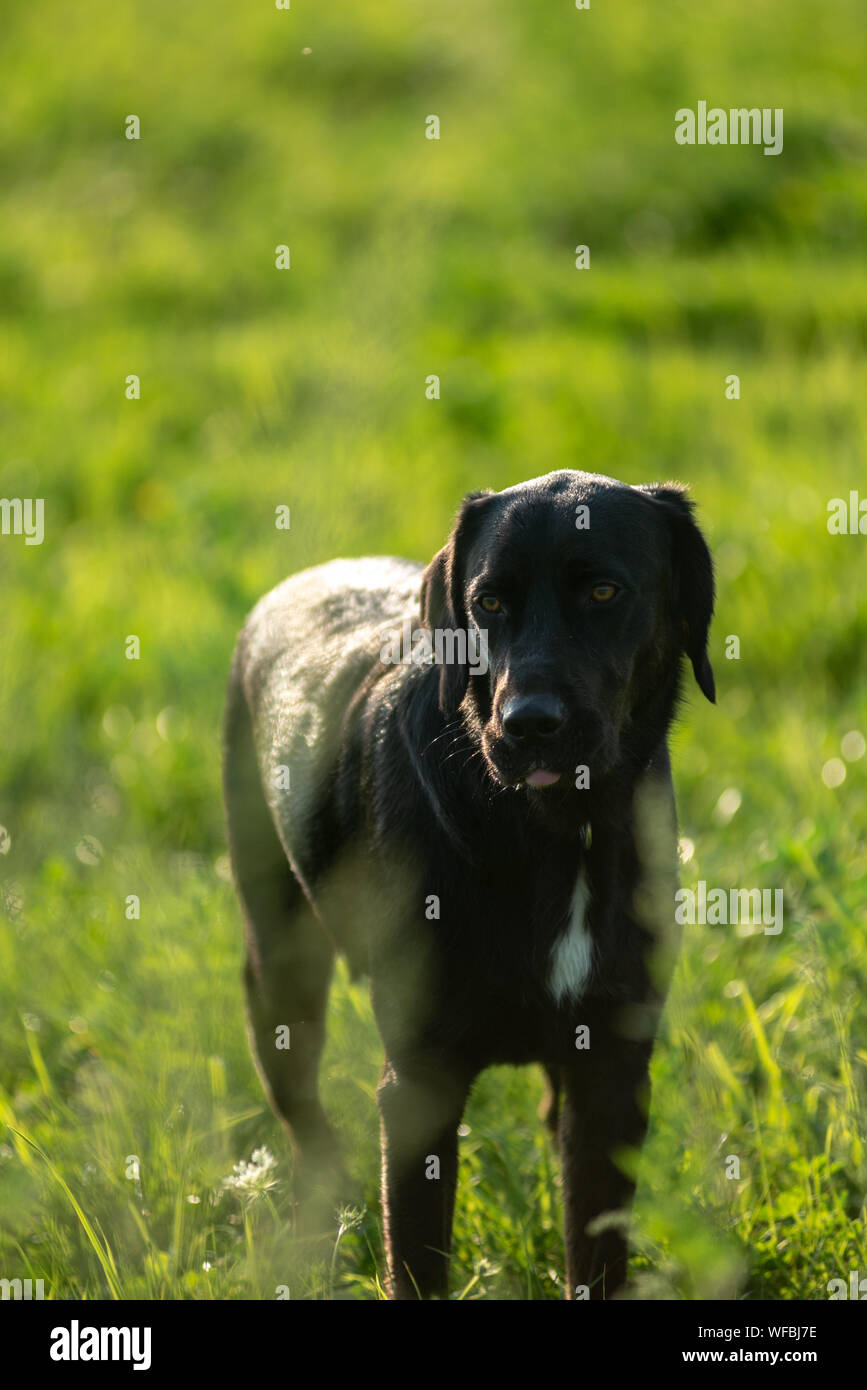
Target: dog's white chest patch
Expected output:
[572,952]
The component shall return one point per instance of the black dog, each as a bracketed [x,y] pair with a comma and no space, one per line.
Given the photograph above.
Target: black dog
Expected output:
[495,847]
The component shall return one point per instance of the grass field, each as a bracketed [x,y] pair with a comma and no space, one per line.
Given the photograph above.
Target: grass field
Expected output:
[127,1091]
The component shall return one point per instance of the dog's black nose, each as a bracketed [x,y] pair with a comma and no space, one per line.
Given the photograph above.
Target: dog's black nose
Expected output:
[533,716]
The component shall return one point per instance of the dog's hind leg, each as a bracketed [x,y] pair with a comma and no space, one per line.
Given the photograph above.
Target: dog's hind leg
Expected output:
[289,958]
[549,1110]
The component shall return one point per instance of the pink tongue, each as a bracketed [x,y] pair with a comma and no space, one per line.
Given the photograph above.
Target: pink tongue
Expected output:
[542,778]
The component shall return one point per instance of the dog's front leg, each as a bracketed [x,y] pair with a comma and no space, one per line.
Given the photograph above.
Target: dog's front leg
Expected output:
[604,1111]
[420,1109]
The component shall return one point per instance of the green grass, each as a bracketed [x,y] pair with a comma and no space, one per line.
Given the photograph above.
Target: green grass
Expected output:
[124,1037]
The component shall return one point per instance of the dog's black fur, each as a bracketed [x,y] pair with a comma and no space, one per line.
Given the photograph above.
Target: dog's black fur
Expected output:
[410,840]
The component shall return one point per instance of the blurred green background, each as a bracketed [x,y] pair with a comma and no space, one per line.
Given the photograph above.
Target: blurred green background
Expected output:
[306,387]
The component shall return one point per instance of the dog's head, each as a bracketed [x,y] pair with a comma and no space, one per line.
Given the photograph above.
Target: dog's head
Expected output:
[588,591]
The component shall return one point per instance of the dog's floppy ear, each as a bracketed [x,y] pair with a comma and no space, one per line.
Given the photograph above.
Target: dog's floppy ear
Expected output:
[693,579]
[442,600]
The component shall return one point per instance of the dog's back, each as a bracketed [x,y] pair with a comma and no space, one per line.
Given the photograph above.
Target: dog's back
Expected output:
[303,653]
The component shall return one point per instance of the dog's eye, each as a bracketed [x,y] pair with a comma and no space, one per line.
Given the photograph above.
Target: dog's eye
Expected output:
[603,593]
[490,603]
